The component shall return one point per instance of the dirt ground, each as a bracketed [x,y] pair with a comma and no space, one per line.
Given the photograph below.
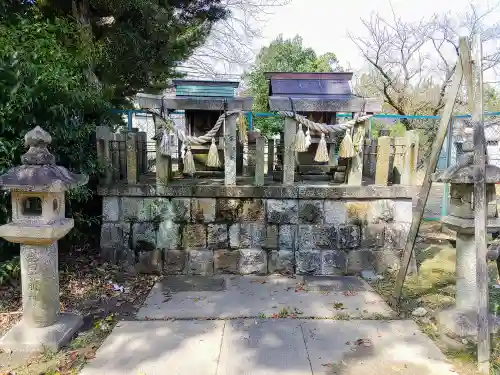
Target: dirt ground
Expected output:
[102,293]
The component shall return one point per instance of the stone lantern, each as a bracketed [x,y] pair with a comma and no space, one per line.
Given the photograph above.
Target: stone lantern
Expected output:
[461,320]
[38,221]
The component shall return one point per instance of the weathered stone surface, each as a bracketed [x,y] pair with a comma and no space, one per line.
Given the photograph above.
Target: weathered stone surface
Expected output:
[333,262]
[271,240]
[359,260]
[194,236]
[381,210]
[168,236]
[311,212]
[133,209]
[308,262]
[349,236]
[203,210]
[403,211]
[112,236]
[247,235]
[150,262]
[228,210]
[226,261]
[143,237]
[357,212]
[317,237]
[181,209]
[252,262]
[253,210]
[200,262]
[396,235]
[280,262]
[111,209]
[335,212]
[282,211]
[175,262]
[217,236]
[373,235]
[287,237]
[385,259]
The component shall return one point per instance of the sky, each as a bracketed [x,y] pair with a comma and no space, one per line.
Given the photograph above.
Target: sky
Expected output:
[324,24]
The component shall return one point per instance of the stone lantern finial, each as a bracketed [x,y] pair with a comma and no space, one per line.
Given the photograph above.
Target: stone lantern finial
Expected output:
[37,140]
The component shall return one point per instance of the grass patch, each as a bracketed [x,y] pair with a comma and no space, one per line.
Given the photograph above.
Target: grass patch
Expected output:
[434,289]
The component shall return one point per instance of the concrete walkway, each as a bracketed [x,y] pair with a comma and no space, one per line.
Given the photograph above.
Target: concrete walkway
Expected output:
[223,326]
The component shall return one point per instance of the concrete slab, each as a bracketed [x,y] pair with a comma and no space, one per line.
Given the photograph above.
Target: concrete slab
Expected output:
[25,338]
[372,347]
[254,296]
[159,348]
[263,347]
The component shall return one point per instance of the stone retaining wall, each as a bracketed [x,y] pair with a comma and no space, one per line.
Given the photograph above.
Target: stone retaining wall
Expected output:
[343,230]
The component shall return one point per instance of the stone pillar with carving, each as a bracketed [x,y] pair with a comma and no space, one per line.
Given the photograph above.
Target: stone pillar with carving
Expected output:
[38,222]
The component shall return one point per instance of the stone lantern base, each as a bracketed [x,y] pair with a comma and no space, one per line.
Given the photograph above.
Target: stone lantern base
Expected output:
[463,324]
[26,338]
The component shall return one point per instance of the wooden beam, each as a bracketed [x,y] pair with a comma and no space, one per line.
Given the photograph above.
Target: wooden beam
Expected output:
[480,209]
[426,185]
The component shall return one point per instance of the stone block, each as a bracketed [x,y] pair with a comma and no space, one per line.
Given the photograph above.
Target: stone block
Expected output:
[335,212]
[175,262]
[359,260]
[386,259]
[200,262]
[247,235]
[308,262]
[317,236]
[194,236]
[112,235]
[228,210]
[181,209]
[253,210]
[403,211]
[143,237]
[252,262]
[133,209]
[381,210]
[203,210]
[110,209]
[357,212]
[373,235]
[287,237]
[396,235]
[168,236]
[150,262]
[333,263]
[311,212]
[217,236]
[349,236]
[281,211]
[271,240]
[226,261]
[280,262]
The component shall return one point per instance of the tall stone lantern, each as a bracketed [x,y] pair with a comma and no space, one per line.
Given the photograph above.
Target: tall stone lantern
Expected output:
[38,221]
[461,320]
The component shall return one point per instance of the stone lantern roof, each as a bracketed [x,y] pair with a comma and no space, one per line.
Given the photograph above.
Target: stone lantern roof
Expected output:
[38,171]
[465,175]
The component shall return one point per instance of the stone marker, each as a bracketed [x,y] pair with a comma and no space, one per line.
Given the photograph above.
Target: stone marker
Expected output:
[38,221]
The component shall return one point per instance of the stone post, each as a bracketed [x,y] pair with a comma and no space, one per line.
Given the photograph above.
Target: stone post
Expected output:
[289,151]
[230,151]
[355,176]
[163,165]
[270,156]
[383,160]
[132,173]
[259,160]
[38,221]
[409,173]
[103,137]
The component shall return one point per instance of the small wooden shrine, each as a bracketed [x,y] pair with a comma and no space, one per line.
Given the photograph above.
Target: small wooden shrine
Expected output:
[319,97]
[203,102]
